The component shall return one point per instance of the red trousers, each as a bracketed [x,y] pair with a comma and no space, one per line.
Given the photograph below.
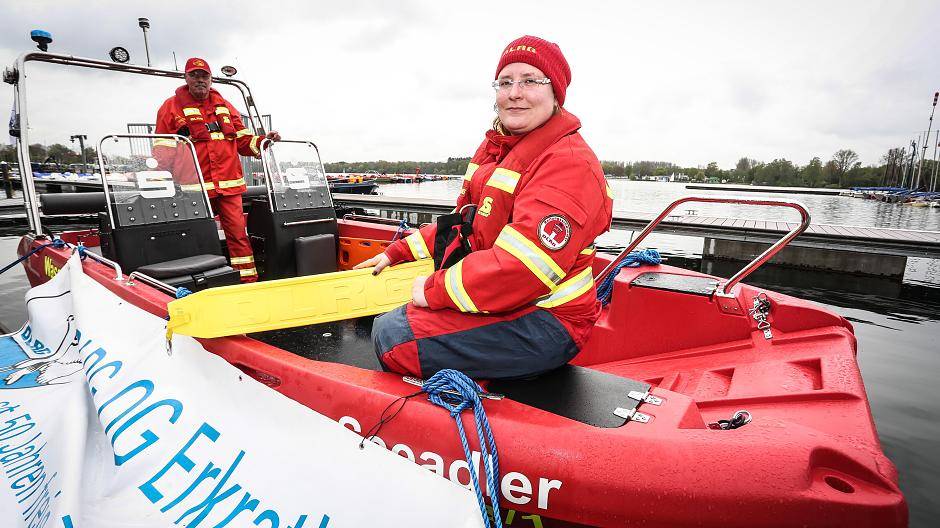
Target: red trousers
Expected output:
[229,209]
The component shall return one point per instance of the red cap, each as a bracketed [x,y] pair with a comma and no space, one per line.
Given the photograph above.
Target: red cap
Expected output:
[545,56]
[195,63]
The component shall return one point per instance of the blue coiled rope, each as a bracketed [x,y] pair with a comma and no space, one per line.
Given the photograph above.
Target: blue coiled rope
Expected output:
[57,243]
[182,292]
[468,397]
[634,259]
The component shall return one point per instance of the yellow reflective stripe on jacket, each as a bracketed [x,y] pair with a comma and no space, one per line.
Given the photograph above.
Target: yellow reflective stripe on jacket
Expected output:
[243,132]
[569,290]
[589,250]
[471,168]
[225,184]
[419,249]
[538,262]
[197,187]
[610,192]
[164,143]
[504,180]
[254,145]
[188,111]
[221,110]
[216,135]
[453,282]
[247,272]
[242,260]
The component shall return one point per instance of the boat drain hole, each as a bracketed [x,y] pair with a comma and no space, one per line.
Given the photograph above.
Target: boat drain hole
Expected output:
[838,484]
[263,377]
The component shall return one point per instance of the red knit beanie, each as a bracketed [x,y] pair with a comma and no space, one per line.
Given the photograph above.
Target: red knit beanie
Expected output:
[545,56]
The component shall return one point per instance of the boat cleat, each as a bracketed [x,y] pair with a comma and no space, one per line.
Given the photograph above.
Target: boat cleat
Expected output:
[632,415]
[644,397]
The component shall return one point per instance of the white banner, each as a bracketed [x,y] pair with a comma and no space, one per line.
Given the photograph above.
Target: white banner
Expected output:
[101,427]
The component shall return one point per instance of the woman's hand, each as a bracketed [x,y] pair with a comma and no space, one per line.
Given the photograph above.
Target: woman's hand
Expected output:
[380,262]
[417,292]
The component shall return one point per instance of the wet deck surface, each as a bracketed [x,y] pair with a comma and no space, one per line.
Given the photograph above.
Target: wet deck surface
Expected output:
[346,342]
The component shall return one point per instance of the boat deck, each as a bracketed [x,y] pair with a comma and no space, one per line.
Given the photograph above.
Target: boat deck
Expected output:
[347,342]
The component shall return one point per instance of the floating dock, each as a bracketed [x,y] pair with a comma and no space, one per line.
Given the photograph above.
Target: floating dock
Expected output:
[865,250]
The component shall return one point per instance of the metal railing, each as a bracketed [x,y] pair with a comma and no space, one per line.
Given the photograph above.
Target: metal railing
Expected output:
[726,289]
[18,78]
[118,273]
[269,171]
[147,279]
[104,175]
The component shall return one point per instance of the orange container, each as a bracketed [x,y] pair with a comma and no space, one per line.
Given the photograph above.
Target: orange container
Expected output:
[352,251]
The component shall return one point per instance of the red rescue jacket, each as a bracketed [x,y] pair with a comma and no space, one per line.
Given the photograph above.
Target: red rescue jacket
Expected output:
[541,201]
[217,132]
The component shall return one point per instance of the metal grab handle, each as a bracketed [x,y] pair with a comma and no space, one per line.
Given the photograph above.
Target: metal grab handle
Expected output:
[118,274]
[307,222]
[746,270]
[147,279]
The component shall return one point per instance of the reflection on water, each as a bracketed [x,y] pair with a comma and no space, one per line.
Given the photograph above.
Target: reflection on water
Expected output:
[896,324]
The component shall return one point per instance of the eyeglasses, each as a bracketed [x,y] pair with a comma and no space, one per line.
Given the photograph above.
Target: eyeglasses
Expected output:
[504,85]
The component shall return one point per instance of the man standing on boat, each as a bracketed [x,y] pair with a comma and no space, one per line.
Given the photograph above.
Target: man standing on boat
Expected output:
[216,129]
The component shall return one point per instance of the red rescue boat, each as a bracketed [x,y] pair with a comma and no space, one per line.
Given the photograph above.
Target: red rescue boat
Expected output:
[696,402]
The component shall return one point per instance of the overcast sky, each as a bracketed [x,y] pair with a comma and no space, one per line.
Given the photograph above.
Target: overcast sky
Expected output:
[688,82]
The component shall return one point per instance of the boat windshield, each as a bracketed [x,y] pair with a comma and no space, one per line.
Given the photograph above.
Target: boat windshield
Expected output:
[151,180]
[295,175]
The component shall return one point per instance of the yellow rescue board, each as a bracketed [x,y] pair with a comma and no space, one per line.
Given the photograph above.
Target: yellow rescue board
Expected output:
[287,303]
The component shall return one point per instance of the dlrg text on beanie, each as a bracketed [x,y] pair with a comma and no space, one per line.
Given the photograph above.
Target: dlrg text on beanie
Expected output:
[545,56]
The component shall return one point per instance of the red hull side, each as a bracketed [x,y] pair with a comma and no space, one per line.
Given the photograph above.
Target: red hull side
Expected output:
[810,457]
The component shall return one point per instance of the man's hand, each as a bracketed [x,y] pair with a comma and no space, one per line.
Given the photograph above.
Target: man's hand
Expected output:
[273,135]
[380,262]
[417,292]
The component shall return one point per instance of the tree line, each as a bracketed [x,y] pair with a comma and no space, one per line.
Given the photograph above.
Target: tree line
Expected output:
[451,166]
[842,170]
[56,153]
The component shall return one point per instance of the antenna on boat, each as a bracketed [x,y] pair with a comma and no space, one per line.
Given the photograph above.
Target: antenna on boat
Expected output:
[41,38]
[144,24]
[175,65]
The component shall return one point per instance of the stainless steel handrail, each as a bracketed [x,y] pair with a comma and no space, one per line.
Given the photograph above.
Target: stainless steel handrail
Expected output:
[268,171]
[726,289]
[119,275]
[370,218]
[176,137]
[147,279]
[30,195]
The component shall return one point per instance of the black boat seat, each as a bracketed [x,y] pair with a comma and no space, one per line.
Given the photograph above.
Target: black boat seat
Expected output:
[183,266]
[194,273]
[583,394]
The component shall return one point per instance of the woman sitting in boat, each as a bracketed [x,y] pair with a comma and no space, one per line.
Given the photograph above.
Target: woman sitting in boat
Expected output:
[513,295]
